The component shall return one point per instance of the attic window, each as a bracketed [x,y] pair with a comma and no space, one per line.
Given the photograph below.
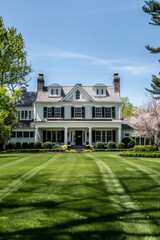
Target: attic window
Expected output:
[54,91]
[100,91]
[77,94]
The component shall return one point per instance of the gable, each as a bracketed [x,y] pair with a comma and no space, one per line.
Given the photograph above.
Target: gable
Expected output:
[77,94]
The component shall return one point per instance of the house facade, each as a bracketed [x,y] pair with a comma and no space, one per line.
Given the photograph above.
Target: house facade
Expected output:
[75,115]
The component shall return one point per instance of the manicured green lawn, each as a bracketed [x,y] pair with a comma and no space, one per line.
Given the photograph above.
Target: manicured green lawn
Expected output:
[70,196]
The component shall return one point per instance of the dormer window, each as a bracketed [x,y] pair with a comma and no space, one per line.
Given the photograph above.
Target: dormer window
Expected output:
[77,94]
[54,91]
[100,89]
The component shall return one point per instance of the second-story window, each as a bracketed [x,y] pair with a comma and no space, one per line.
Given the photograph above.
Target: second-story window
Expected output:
[78,112]
[49,113]
[108,112]
[57,112]
[98,112]
[77,94]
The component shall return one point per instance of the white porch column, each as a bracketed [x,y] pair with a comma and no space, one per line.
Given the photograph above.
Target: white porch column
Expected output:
[66,135]
[36,139]
[119,135]
[90,136]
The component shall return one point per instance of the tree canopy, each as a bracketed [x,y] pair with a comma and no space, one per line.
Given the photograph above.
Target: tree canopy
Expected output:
[127,108]
[14,70]
[8,113]
[146,121]
[153,9]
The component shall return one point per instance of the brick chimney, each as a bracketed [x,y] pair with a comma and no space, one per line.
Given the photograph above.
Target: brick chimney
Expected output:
[116,83]
[40,82]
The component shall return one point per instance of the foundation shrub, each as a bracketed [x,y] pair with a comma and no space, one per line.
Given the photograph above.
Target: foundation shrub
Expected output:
[37,145]
[17,145]
[47,145]
[25,145]
[100,145]
[121,145]
[111,145]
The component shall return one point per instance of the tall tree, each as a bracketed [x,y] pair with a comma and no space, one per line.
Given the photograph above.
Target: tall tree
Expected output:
[153,9]
[127,108]
[14,69]
[8,113]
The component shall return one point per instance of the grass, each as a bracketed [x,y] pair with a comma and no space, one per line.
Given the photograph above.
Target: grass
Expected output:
[92,196]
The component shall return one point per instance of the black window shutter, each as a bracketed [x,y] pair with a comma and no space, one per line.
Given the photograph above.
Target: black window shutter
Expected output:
[113,113]
[103,112]
[83,112]
[93,136]
[44,135]
[45,112]
[72,112]
[62,112]
[52,111]
[114,135]
[93,112]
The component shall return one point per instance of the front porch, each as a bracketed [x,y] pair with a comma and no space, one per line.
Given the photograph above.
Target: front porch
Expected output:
[78,136]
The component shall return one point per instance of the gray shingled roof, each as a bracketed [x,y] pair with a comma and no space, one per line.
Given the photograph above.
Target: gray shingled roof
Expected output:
[111,96]
[26,100]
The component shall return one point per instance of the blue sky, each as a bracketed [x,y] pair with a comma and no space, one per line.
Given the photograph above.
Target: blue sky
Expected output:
[87,41]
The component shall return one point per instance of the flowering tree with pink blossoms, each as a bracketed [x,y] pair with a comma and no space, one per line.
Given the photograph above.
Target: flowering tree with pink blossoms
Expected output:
[146,121]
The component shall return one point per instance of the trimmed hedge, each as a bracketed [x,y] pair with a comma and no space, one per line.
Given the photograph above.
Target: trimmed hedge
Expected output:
[141,154]
[145,148]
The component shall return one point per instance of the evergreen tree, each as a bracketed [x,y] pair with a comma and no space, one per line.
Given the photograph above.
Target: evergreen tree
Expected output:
[13,59]
[153,9]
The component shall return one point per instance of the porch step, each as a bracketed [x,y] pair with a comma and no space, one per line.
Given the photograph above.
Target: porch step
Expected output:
[78,149]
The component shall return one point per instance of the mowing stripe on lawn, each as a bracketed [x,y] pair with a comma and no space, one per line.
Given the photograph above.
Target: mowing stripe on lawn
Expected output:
[122,199]
[16,184]
[15,162]
[155,174]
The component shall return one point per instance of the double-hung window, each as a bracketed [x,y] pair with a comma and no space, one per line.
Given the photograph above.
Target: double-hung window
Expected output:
[98,112]
[108,112]
[78,112]
[57,112]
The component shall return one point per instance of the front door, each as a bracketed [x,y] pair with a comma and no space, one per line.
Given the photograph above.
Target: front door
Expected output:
[78,137]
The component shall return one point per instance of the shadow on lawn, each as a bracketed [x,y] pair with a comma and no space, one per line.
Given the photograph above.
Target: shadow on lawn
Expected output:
[99,222]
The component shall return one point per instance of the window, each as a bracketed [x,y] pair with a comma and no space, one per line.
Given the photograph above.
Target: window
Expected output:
[25,115]
[57,112]
[98,112]
[103,136]
[100,91]
[54,91]
[31,134]
[126,134]
[19,134]
[78,112]
[26,134]
[109,136]
[49,113]
[98,136]
[77,94]
[108,113]
[142,141]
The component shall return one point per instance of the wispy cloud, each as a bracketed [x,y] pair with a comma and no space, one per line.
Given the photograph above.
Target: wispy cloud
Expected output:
[129,66]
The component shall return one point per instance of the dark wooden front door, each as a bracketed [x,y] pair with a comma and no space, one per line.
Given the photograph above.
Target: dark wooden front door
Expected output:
[78,137]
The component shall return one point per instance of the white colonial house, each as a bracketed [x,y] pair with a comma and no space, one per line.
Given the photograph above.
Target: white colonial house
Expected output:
[75,115]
